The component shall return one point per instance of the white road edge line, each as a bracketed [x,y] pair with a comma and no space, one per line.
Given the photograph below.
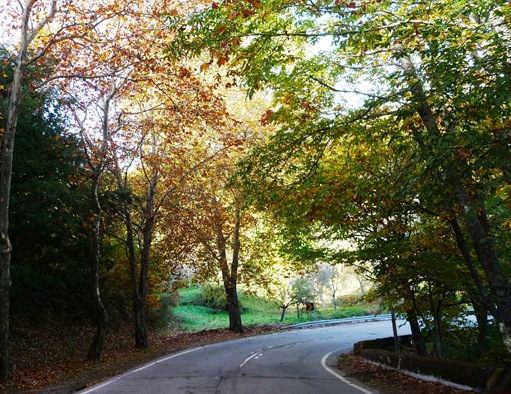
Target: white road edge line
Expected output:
[342,378]
[249,358]
[101,385]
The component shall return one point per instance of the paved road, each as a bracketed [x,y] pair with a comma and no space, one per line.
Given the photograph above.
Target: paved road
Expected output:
[297,362]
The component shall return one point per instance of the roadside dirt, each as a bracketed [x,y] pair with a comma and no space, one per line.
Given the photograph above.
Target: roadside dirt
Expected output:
[388,381]
[71,373]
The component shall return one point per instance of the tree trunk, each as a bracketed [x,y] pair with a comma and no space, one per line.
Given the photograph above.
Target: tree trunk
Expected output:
[137,292]
[141,338]
[469,262]
[5,282]
[101,316]
[418,340]
[137,296]
[479,231]
[334,298]
[361,285]
[397,344]
[482,326]
[230,284]
[139,307]
[233,306]
[284,308]
[471,206]
[138,304]
[6,160]
[438,332]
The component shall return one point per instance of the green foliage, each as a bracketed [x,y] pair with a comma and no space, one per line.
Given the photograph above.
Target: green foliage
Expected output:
[188,295]
[426,146]
[350,299]
[462,343]
[163,316]
[214,297]
[302,291]
[48,208]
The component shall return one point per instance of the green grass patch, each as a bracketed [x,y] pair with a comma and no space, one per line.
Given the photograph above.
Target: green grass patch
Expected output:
[256,310]
[198,318]
[188,295]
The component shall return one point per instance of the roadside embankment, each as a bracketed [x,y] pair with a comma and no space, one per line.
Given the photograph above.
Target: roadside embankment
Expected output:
[453,373]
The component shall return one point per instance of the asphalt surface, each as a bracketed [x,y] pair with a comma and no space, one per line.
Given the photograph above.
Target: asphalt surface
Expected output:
[298,362]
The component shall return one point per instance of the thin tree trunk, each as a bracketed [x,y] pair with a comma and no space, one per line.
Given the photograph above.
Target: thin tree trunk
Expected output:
[231,279]
[478,228]
[5,243]
[361,285]
[284,308]
[482,327]
[438,332]
[132,259]
[333,287]
[469,262]
[397,346]
[28,32]
[418,339]
[6,160]
[101,316]
[137,318]
[141,337]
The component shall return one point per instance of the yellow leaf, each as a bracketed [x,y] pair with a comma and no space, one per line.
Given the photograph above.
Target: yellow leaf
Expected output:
[204,66]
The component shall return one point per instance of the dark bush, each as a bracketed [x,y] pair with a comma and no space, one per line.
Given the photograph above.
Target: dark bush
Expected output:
[163,316]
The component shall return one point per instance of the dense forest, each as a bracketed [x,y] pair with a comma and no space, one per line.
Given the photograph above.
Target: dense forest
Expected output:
[145,145]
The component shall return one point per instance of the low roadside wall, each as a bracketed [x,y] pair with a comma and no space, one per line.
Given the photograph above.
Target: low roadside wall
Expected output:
[479,378]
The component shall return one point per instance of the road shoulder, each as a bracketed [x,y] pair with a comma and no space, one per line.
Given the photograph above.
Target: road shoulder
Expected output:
[384,380]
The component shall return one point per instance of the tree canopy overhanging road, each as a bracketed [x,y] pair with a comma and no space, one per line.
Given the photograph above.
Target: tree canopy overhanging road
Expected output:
[146,145]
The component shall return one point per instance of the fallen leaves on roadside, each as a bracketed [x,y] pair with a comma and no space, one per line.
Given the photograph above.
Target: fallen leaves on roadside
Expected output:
[387,380]
[53,358]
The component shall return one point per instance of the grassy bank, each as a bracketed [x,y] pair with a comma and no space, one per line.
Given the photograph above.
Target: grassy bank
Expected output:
[193,315]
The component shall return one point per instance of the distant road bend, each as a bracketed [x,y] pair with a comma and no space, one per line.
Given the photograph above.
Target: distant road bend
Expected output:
[297,362]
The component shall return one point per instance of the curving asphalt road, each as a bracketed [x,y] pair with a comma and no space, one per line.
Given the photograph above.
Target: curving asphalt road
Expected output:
[297,362]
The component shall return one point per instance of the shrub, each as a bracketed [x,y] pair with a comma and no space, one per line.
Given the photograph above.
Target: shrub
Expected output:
[213,296]
[163,316]
[349,299]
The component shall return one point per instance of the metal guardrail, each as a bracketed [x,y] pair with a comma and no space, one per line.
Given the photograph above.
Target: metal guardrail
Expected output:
[354,319]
